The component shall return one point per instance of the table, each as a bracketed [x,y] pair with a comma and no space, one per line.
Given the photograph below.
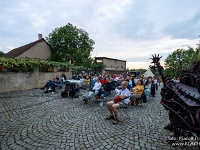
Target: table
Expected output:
[76,81]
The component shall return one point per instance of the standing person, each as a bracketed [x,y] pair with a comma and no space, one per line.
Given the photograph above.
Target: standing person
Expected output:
[155,83]
[128,79]
[130,82]
[112,106]
[133,81]
[148,87]
[136,80]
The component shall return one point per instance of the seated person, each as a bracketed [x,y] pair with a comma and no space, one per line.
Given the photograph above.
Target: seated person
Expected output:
[137,91]
[52,84]
[129,84]
[87,80]
[55,78]
[113,83]
[63,77]
[104,90]
[124,95]
[82,79]
[94,90]
[103,81]
[121,78]
[86,83]
[74,77]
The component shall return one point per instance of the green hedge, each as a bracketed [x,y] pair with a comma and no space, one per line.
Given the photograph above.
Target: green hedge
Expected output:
[30,65]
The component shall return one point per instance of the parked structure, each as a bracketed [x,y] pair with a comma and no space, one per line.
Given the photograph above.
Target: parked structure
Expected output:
[112,65]
[148,73]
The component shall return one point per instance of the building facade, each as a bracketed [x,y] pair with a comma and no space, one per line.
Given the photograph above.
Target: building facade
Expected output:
[39,49]
[113,66]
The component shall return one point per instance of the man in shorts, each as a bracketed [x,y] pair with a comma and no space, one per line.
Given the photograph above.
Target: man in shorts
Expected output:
[124,95]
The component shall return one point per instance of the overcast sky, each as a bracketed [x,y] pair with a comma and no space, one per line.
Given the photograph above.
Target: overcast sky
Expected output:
[129,30]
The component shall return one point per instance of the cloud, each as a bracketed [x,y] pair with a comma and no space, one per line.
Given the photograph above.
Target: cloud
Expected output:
[188,29]
[130,30]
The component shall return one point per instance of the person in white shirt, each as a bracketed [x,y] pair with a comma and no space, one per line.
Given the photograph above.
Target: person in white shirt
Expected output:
[95,90]
[63,77]
[136,80]
[82,79]
[124,95]
[116,78]
[95,77]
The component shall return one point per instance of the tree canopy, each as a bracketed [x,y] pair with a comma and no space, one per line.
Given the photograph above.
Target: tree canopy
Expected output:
[179,60]
[142,71]
[97,66]
[1,53]
[70,44]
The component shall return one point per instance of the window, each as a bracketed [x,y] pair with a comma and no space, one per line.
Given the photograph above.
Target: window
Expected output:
[99,60]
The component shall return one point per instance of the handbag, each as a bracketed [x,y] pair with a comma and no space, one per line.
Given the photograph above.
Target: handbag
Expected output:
[117,99]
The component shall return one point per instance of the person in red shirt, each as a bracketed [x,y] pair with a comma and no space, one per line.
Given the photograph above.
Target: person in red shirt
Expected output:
[114,76]
[103,81]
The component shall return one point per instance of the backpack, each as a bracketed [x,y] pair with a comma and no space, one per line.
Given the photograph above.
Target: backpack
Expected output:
[64,94]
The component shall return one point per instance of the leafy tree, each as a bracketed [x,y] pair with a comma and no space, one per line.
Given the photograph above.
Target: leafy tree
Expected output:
[142,71]
[179,60]
[198,51]
[98,66]
[1,53]
[70,44]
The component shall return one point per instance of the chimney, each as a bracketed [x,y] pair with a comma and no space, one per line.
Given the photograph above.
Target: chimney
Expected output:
[39,36]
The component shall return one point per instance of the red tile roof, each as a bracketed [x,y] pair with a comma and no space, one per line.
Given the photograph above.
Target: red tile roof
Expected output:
[17,51]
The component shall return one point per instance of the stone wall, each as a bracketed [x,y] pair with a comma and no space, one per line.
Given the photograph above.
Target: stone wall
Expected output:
[15,81]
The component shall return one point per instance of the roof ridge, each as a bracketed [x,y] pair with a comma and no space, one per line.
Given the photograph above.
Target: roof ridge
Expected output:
[17,51]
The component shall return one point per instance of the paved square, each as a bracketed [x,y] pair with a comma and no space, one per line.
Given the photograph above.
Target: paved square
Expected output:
[34,120]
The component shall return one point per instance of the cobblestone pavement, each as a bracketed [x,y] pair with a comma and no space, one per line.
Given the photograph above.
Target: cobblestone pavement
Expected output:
[34,120]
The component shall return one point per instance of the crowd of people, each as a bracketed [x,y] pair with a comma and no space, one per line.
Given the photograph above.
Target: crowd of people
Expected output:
[128,89]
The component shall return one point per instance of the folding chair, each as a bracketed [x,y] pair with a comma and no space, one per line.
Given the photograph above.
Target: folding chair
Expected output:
[88,97]
[138,101]
[125,109]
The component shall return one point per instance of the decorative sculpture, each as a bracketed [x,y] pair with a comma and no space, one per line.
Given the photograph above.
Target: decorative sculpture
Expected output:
[182,100]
